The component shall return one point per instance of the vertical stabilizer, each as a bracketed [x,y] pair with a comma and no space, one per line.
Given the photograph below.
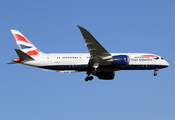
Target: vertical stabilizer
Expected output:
[24,44]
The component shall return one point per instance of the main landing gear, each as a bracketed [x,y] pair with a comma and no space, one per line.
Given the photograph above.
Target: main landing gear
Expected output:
[155,71]
[88,78]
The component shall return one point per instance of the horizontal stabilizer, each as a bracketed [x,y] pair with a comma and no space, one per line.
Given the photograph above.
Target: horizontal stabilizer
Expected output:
[23,55]
[12,63]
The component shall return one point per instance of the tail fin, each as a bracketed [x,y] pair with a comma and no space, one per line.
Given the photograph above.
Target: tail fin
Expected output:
[24,44]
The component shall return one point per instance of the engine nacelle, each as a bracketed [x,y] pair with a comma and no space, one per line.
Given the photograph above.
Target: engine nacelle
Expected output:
[106,75]
[121,60]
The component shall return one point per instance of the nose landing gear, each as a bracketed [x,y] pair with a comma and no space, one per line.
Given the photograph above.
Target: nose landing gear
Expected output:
[155,74]
[155,71]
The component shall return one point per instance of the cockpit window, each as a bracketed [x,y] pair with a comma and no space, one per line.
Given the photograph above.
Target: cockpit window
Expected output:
[162,58]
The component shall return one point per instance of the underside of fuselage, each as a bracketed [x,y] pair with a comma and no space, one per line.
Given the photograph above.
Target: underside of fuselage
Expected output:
[102,68]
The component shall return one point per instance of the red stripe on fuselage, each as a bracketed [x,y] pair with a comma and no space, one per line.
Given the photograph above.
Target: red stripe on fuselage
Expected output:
[20,38]
[150,56]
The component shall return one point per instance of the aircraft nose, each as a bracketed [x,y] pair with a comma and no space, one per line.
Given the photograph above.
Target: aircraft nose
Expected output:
[166,64]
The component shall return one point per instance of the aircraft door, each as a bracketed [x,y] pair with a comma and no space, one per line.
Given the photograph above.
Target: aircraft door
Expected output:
[49,59]
[81,57]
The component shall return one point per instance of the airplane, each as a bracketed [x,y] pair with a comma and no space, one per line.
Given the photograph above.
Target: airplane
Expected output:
[98,62]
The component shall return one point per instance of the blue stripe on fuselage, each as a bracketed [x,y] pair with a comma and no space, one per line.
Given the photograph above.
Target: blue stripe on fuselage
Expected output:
[110,67]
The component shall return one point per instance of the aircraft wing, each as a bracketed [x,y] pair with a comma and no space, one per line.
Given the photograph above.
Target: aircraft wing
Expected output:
[99,55]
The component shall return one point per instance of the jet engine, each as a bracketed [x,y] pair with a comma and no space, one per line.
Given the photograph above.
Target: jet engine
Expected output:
[106,75]
[121,60]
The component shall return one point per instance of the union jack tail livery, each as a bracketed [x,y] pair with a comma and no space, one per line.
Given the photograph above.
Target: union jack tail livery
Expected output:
[24,44]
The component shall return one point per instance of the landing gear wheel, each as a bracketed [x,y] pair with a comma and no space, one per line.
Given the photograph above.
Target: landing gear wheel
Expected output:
[155,74]
[88,78]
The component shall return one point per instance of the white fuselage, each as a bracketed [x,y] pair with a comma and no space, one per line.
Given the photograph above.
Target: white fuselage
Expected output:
[98,61]
[79,62]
